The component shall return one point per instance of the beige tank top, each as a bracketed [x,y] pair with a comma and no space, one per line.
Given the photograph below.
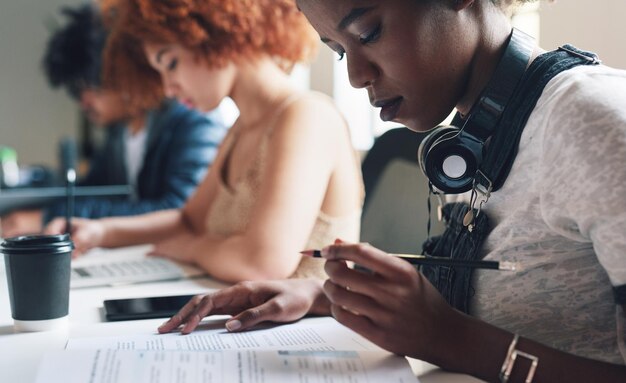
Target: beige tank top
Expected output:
[232,207]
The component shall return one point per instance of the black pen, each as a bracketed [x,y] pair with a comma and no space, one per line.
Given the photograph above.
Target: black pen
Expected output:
[69,212]
[416,259]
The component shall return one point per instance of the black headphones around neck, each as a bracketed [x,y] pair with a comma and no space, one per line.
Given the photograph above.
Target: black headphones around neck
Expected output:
[450,156]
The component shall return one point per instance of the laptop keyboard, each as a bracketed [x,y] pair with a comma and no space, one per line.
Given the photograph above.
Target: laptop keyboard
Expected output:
[147,269]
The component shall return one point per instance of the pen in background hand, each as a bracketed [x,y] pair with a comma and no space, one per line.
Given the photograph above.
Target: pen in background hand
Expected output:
[69,160]
[416,259]
[71,181]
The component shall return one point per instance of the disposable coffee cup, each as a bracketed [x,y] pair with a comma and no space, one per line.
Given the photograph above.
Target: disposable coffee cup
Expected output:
[38,275]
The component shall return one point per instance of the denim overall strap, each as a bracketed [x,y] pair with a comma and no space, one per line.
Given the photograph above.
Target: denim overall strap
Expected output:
[505,141]
[457,242]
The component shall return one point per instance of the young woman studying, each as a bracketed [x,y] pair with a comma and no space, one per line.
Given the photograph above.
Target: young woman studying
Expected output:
[558,210]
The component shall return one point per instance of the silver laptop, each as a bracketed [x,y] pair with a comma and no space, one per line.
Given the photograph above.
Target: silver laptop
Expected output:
[128,265]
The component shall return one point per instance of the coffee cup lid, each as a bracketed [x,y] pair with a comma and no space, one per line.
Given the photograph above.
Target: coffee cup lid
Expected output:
[51,244]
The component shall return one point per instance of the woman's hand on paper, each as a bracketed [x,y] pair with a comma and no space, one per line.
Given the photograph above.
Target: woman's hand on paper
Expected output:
[86,233]
[394,306]
[251,303]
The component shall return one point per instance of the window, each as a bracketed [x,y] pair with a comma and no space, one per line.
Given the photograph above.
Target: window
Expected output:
[363,119]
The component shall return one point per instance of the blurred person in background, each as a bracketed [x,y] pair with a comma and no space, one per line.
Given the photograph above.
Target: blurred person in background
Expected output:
[286,177]
[160,147]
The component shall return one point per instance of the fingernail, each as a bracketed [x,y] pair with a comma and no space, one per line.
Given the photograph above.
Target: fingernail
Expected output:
[233,325]
[163,324]
[324,251]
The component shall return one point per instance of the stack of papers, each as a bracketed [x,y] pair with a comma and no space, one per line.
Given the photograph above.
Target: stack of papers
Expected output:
[311,350]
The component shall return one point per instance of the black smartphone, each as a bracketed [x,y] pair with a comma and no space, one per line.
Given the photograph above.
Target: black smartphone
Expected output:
[144,308]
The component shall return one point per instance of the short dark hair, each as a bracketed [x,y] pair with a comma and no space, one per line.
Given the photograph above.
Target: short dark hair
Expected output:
[73,57]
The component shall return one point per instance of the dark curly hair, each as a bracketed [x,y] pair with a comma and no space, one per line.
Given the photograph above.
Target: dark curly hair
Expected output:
[217,31]
[73,57]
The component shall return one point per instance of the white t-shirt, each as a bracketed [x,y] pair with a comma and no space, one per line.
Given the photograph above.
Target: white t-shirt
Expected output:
[135,146]
[561,214]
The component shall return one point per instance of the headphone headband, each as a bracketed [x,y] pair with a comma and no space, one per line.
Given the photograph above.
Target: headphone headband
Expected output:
[486,112]
[450,157]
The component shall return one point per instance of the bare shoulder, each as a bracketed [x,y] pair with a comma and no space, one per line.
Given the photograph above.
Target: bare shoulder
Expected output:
[311,113]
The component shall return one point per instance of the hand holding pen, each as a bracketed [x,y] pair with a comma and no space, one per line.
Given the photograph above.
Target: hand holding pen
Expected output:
[418,259]
[395,306]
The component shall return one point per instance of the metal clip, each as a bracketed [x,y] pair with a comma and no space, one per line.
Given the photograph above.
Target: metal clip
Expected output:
[594,59]
[481,185]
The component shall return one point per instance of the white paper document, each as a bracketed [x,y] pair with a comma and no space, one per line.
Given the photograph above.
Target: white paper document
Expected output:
[319,334]
[312,350]
[245,366]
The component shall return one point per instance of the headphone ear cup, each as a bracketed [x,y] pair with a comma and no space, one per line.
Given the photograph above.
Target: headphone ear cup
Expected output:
[429,141]
[450,159]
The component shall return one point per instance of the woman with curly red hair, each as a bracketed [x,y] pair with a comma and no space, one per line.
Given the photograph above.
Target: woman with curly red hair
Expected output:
[286,177]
